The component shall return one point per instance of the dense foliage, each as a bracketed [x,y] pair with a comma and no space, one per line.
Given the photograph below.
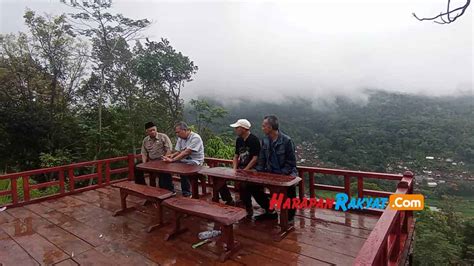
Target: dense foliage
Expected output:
[72,93]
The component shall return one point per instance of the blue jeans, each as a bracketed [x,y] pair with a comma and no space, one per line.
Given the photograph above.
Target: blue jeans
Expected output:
[185,185]
[166,182]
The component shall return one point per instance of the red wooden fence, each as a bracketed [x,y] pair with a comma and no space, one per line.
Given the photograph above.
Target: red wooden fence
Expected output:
[387,244]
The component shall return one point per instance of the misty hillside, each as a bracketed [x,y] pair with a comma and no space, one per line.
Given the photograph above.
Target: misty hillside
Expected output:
[387,128]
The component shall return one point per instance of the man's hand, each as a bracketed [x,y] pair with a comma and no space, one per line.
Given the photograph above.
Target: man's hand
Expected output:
[167,159]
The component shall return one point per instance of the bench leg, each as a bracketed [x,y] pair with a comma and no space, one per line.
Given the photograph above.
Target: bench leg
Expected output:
[152,178]
[160,218]
[231,246]
[285,226]
[123,203]
[194,186]
[177,227]
[217,184]
[202,179]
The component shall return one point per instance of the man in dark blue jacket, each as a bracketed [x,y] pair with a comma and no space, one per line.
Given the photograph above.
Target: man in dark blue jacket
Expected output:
[277,156]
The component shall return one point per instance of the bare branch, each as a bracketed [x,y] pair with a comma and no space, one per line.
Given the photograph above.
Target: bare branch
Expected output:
[449,16]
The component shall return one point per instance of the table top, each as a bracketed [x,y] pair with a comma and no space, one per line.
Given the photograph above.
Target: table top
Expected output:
[251,176]
[218,212]
[154,192]
[170,168]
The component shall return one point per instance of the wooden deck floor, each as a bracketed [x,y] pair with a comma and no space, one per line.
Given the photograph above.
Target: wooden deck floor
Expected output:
[80,229]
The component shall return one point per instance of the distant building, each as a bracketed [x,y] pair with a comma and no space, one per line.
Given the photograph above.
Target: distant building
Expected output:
[449,160]
[435,209]
[429,158]
[441,181]
[432,184]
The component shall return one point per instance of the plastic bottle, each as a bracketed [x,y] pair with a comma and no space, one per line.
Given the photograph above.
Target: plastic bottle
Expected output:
[209,234]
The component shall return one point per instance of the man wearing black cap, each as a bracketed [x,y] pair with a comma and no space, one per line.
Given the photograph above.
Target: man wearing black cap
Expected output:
[154,146]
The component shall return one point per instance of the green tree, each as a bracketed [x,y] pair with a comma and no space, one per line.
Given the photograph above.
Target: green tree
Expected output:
[164,71]
[109,34]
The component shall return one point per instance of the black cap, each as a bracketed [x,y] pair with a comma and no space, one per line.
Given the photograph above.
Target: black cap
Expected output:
[149,124]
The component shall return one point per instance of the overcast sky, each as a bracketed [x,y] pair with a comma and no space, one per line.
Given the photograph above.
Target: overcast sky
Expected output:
[318,49]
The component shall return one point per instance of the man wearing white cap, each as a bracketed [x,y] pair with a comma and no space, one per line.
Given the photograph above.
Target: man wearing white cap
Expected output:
[247,149]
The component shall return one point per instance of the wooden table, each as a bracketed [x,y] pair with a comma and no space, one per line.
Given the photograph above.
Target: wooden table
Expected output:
[274,182]
[181,169]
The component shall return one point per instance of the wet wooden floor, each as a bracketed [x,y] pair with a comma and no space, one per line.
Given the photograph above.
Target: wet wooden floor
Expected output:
[80,229]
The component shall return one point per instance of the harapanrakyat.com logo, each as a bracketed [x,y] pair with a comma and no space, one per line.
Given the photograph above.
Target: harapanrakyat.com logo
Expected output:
[342,202]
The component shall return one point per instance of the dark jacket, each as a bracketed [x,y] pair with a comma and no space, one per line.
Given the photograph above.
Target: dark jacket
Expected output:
[285,151]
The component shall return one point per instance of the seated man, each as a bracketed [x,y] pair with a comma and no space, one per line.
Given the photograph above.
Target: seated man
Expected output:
[276,156]
[189,149]
[155,145]
[247,148]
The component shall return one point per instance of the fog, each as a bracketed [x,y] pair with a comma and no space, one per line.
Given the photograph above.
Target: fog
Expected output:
[272,50]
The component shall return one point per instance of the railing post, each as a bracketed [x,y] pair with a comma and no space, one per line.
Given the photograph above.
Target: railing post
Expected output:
[61,181]
[396,249]
[71,178]
[14,190]
[347,185]
[131,167]
[312,193]
[360,186]
[408,219]
[107,173]
[301,184]
[99,173]
[26,189]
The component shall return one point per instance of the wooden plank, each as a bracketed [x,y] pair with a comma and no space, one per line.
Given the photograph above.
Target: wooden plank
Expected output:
[68,262]
[22,213]
[251,176]
[37,246]
[5,217]
[57,218]
[313,224]
[125,255]
[171,168]
[84,232]
[290,245]
[94,257]
[67,242]
[214,211]
[38,208]
[12,254]
[355,220]
[149,191]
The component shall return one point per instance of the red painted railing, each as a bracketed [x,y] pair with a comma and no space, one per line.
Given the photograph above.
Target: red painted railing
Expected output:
[66,179]
[390,240]
[387,244]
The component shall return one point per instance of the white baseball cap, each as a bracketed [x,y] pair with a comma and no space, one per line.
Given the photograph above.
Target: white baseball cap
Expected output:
[242,123]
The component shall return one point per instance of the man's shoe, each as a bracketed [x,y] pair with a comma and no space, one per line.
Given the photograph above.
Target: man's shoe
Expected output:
[267,216]
[186,195]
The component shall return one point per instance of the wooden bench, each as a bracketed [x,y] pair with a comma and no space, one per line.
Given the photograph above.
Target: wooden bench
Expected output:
[275,183]
[222,215]
[151,194]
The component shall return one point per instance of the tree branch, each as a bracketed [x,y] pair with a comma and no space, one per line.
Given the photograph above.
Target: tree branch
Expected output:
[449,16]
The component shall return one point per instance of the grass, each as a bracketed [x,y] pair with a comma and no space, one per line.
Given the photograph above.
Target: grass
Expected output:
[463,205]
[35,193]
